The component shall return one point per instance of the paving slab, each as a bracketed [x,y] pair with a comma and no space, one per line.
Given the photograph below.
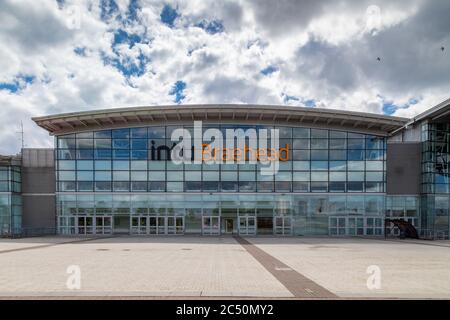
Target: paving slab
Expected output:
[143,266]
[408,269]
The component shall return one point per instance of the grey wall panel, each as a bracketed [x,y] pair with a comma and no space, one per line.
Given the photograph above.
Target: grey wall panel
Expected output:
[38,211]
[403,170]
[38,158]
[38,188]
[38,180]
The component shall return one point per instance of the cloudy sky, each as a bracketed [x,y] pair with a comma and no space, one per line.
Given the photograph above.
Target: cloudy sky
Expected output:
[386,57]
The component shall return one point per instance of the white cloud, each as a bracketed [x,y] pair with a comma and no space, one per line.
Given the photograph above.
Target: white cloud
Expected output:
[321,51]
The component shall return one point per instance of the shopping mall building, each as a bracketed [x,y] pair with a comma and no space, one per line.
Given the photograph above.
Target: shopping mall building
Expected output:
[338,173]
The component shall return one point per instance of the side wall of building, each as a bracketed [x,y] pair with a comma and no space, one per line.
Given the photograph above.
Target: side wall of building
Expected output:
[403,170]
[38,190]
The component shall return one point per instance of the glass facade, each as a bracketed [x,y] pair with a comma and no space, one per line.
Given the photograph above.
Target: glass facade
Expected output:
[435,217]
[10,200]
[122,180]
[136,160]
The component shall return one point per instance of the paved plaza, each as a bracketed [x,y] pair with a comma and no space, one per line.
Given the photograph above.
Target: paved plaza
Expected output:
[195,266]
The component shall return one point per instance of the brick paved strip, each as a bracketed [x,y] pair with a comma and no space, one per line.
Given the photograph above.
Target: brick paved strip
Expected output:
[51,244]
[299,285]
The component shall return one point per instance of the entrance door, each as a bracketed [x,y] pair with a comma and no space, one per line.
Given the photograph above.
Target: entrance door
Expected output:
[85,225]
[282,225]
[229,225]
[139,225]
[175,225]
[355,226]
[103,225]
[210,225]
[160,225]
[247,225]
[152,225]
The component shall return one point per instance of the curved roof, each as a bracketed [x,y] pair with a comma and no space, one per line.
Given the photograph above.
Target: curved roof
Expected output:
[223,113]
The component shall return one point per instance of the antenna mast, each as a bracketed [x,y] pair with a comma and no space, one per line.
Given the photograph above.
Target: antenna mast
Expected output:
[21,134]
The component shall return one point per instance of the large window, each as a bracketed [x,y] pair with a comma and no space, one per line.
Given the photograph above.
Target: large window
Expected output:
[137,159]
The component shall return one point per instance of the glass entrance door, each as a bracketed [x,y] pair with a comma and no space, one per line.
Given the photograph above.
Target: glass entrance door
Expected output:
[229,225]
[175,225]
[210,225]
[282,225]
[139,225]
[158,225]
[247,225]
[85,225]
[355,226]
[103,225]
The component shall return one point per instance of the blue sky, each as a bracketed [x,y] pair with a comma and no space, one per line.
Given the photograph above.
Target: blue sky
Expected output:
[75,55]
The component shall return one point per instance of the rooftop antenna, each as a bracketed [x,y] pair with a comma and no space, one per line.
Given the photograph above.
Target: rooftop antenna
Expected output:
[21,134]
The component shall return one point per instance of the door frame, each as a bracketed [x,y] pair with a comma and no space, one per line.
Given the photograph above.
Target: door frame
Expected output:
[210,230]
[283,230]
[247,230]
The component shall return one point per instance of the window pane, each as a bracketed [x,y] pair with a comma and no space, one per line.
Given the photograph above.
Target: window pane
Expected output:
[301,133]
[337,186]
[283,176]
[156,176]
[355,165]
[318,133]
[102,175]
[158,165]
[140,144]
[102,165]
[338,134]
[121,175]
[102,143]
[374,165]
[374,176]
[247,176]
[319,154]
[66,165]
[139,175]
[139,133]
[121,165]
[319,186]
[300,144]
[301,165]
[338,154]
[300,176]
[338,144]
[319,143]
[211,176]
[102,134]
[121,133]
[229,176]
[300,155]
[338,176]
[85,165]
[193,175]
[355,176]
[338,165]
[85,143]
[174,176]
[174,186]
[64,143]
[85,175]
[67,175]
[300,186]
[355,154]
[319,176]
[156,132]
[355,143]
